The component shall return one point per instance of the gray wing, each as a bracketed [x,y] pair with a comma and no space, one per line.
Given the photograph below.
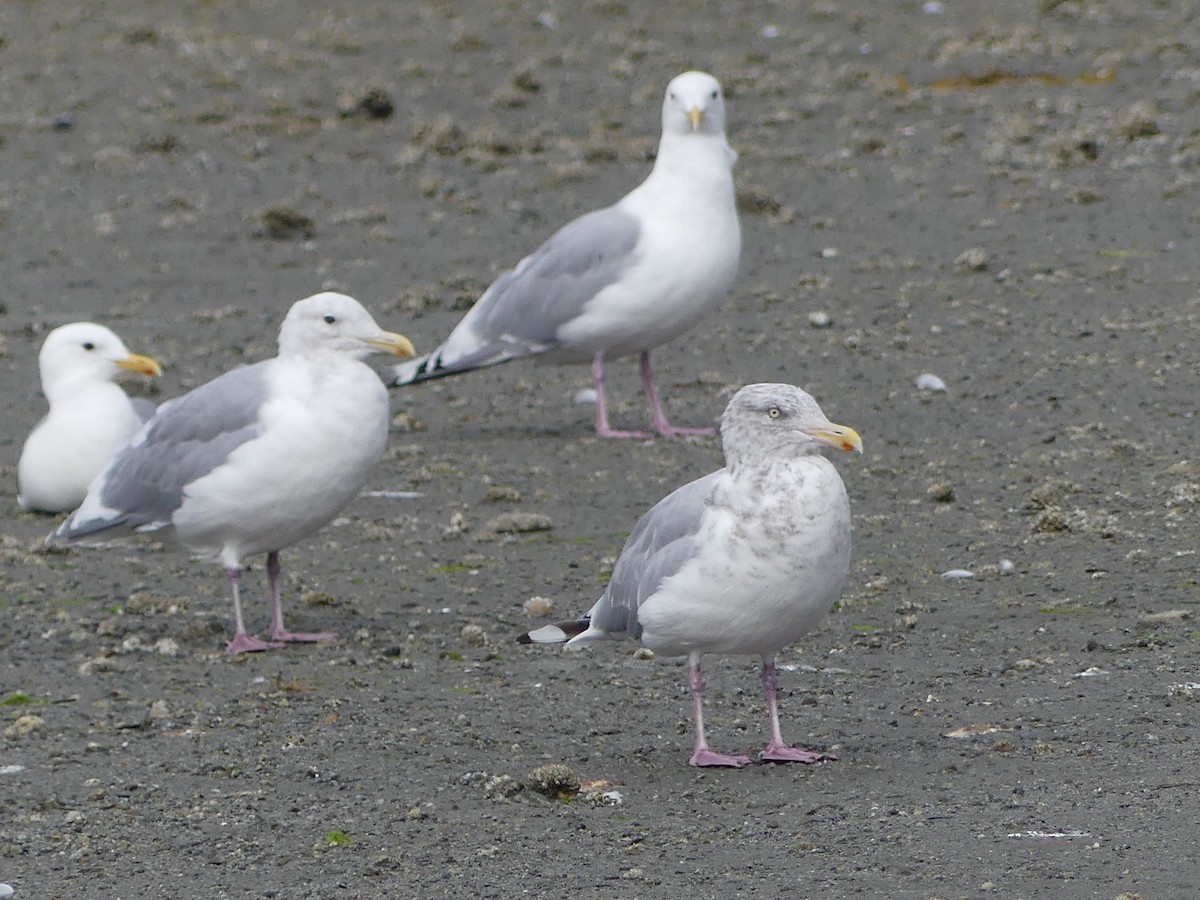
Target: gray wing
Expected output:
[186,439]
[663,540]
[524,308]
[144,408]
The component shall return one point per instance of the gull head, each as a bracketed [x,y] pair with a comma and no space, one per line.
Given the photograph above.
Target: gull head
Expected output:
[84,352]
[769,419]
[334,323]
[694,104]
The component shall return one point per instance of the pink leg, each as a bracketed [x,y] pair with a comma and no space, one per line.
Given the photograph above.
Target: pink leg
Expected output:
[661,425]
[242,642]
[777,750]
[278,632]
[703,755]
[602,429]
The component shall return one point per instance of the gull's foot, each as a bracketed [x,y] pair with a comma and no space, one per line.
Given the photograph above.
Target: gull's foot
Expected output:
[782,754]
[712,758]
[301,637]
[614,433]
[248,643]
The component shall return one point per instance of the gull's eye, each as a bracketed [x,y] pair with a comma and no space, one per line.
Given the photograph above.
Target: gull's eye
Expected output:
[716,94]
[88,345]
[330,318]
[671,95]
[774,412]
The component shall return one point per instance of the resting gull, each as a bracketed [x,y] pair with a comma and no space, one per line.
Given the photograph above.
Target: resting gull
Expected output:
[256,459]
[744,560]
[624,279]
[89,416]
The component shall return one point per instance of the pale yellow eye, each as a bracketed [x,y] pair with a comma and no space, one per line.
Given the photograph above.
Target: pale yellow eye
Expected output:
[774,412]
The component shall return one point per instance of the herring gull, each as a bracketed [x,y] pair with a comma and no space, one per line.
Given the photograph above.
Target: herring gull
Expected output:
[746,559]
[258,458]
[621,280]
[89,416]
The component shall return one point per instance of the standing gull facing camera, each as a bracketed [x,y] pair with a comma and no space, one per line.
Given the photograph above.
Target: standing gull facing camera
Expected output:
[624,279]
[747,559]
[89,417]
[257,459]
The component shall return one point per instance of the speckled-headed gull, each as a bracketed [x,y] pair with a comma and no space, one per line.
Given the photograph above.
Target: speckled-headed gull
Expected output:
[89,416]
[624,279]
[744,560]
[260,457]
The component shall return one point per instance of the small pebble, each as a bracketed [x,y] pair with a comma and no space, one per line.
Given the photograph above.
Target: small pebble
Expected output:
[819,319]
[11,770]
[6,890]
[958,573]
[24,725]
[553,780]
[941,493]
[474,635]
[929,382]
[584,397]
[538,607]
[973,259]
[1006,567]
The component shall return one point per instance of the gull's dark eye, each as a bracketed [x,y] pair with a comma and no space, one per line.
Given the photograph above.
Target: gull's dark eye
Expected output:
[715,94]
[672,95]
[88,345]
[774,412]
[330,318]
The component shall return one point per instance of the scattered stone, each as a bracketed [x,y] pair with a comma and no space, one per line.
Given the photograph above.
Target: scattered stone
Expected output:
[406,423]
[1188,690]
[538,607]
[1138,121]
[958,573]
[940,493]
[820,319]
[376,103]
[286,223]
[1166,617]
[24,726]
[752,200]
[502,493]
[973,259]
[1051,521]
[554,780]
[970,731]
[519,522]
[930,382]
[1006,567]
[474,635]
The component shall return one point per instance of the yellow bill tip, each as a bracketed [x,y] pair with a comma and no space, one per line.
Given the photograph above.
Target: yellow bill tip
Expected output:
[695,115]
[841,436]
[143,365]
[390,342]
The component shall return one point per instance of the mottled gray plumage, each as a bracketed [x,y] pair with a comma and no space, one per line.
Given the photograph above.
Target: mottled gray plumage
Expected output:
[745,560]
[663,540]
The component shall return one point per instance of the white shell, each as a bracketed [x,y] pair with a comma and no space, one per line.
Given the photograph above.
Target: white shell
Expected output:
[929,382]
